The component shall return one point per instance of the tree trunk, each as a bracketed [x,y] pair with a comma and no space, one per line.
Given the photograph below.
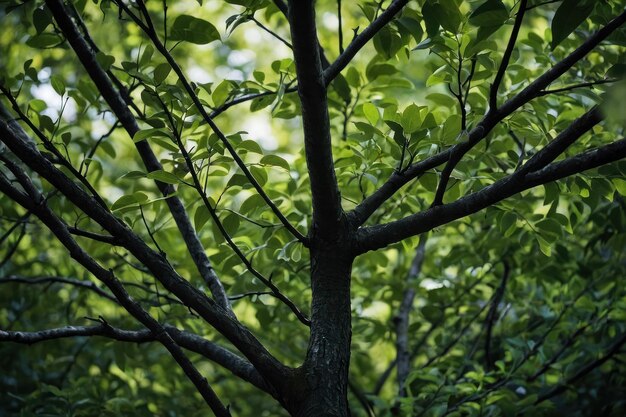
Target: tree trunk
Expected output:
[324,374]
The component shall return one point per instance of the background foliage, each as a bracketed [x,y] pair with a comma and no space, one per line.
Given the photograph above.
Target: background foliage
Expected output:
[535,279]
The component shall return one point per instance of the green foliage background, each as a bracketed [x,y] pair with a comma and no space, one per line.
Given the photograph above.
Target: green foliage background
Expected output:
[564,299]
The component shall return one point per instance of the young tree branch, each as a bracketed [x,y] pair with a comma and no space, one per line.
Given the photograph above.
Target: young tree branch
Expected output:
[493,93]
[361,40]
[115,100]
[555,357]
[205,200]
[563,141]
[533,90]
[576,87]
[59,158]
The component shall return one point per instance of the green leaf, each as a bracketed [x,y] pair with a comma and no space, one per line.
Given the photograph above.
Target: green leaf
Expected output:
[275,160]
[250,146]
[132,175]
[432,313]
[490,13]
[194,30]
[58,84]
[41,19]
[129,200]
[146,56]
[166,177]
[371,113]
[430,19]
[259,76]
[444,13]
[53,390]
[353,77]
[569,15]
[149,133]
[550,226]
[66,137]
[259,174]
[38,105]
[44,40]
[161,72]
[620,185]
[221,92]
[508,219]
[231,223]
[200,217]
[387,42]
[412,26]
[105,60]
[378,70]
[262,102]
[340,84]
[411,121]
[251,203]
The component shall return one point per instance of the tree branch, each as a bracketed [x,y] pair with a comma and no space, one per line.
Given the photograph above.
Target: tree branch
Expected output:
[614,349]
[340,27]
[206,307]
[375,237]
[94,236]
[492,314]
[63,280]
[50,146]
[203,113]
[327,211]
[361,40]
[284,9]
[529,354]
[190,341]
[576,86]
[557,146]
[455,340]
[493,93]
[399,178]
[205,200]
[432,327]
[117,103]
[555,357]
[274,34]
[38,207]
[403,355]
[221,109]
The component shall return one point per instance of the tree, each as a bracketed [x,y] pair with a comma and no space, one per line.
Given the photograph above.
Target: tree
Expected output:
[455,219]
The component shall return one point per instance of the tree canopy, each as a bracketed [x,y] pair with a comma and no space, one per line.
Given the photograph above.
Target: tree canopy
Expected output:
[255,207]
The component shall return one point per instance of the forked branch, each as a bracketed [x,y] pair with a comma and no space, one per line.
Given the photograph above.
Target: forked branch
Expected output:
[535,172]
[400,178]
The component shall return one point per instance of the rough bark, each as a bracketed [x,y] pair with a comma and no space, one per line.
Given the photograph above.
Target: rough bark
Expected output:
[322,383]
[328,358]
